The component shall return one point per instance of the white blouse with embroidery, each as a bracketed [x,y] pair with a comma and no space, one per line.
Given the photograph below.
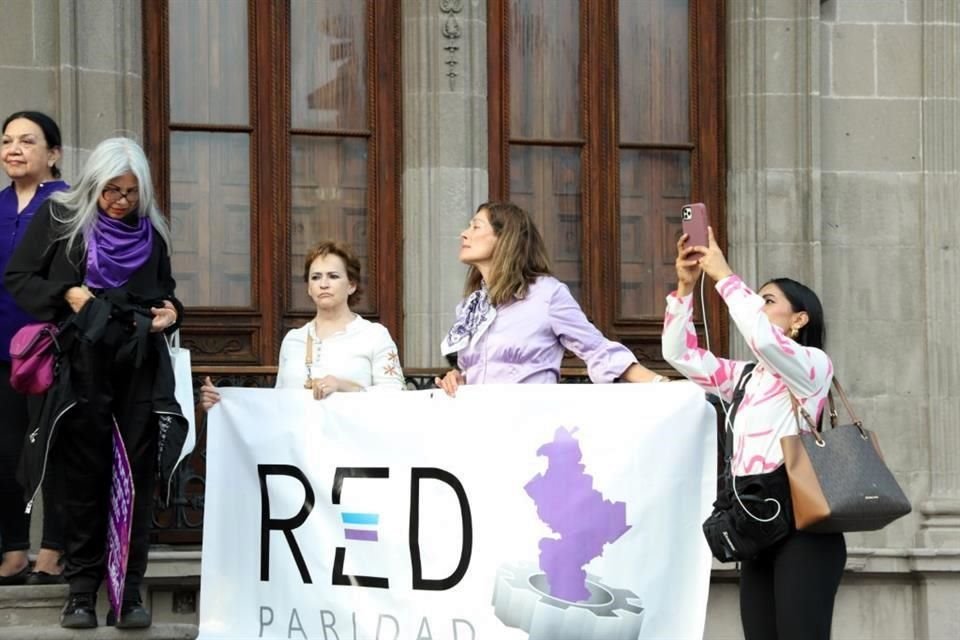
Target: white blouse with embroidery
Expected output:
[363,353]
[783,366]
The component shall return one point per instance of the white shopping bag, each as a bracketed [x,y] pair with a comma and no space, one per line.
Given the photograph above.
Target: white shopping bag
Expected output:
[183,390]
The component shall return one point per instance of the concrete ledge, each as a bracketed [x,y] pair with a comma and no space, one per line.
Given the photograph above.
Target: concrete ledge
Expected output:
[878,561]
[173,563]
[33,596]
[30,605]
[156,632]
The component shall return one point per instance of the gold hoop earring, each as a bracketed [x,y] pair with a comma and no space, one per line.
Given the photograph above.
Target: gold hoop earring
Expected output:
[794,332]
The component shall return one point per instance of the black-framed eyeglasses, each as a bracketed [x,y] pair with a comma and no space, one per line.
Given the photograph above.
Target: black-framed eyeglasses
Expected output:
[113,194]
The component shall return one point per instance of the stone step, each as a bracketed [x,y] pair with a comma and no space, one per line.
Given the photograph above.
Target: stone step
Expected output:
[37,609]
[170,591]
[30,605]
[53,632]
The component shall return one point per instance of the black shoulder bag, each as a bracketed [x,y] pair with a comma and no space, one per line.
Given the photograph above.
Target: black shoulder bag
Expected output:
[755,512]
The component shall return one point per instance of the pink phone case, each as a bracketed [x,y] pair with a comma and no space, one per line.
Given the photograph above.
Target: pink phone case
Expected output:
[693,221]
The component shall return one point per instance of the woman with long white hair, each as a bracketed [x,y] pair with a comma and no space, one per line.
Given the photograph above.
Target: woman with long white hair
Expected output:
[96,261]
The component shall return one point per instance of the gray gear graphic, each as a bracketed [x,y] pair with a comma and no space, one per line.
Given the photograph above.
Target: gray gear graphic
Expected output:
[521,601]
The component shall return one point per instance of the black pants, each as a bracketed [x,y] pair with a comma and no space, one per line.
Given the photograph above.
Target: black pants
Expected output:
[84,449]
[787,592]
[14,523]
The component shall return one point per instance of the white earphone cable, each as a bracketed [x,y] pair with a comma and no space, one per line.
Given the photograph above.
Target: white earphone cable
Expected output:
[728,426]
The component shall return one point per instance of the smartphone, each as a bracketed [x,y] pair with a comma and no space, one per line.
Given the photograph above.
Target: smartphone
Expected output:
[693,221]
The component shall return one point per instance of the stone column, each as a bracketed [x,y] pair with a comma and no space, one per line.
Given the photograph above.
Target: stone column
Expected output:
[773,141]
[445,160]
[871,100]
[79,62]
[100,78]
[941,234]
[29,57]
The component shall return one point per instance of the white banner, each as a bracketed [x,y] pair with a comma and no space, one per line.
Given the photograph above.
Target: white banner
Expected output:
[554,512]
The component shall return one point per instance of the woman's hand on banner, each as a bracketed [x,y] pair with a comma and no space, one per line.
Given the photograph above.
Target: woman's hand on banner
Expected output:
[209,395]
[328,385]
[450,382]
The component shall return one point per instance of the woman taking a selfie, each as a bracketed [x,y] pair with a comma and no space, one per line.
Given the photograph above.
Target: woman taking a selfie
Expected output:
[787,591]
[517,319]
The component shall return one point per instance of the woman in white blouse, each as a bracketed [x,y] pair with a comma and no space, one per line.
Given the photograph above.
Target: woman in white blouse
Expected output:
[337,351]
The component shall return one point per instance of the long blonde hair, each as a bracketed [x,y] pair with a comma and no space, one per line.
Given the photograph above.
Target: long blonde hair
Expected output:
[519,257]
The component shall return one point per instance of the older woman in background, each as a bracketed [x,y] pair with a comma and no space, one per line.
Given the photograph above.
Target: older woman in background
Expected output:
[29,151]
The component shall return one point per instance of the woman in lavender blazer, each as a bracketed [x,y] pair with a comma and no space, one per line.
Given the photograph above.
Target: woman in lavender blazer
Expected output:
[516,319]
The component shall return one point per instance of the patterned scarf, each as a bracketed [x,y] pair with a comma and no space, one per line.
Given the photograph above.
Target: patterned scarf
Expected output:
[115,250]
[474,316]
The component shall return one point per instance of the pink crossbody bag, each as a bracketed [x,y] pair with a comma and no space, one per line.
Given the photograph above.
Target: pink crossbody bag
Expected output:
[33,355]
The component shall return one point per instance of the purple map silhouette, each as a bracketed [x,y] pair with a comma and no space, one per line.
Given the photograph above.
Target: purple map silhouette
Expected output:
[567,503]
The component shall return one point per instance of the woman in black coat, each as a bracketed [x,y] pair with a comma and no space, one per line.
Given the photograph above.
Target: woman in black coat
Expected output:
[96,261]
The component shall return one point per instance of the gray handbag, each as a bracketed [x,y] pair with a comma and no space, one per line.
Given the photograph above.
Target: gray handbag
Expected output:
[838,479]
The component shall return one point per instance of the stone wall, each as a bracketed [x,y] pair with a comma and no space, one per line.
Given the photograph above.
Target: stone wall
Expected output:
[843,120]
[873,230]
[79,62]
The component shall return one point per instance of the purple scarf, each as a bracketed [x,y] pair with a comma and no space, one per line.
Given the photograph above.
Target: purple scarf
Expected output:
[115,250]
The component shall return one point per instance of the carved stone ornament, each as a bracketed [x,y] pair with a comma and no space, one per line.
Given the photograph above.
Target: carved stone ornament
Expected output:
[451,33]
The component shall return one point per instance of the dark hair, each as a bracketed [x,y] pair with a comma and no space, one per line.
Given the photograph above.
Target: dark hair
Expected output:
[519,257]
[802,298]
[350,261]
[51,132]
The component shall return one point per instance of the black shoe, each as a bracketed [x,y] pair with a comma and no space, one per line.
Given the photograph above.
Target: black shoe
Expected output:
[20,577]
[133,615]
[80,612]
[42,577]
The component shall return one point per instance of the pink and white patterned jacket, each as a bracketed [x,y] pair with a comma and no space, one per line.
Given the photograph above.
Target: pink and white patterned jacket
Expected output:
[765,414]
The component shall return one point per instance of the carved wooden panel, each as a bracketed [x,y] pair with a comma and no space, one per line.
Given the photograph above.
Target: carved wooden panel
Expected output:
[222,344]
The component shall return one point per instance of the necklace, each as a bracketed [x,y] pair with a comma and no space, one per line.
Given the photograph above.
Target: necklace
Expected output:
[308,358]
